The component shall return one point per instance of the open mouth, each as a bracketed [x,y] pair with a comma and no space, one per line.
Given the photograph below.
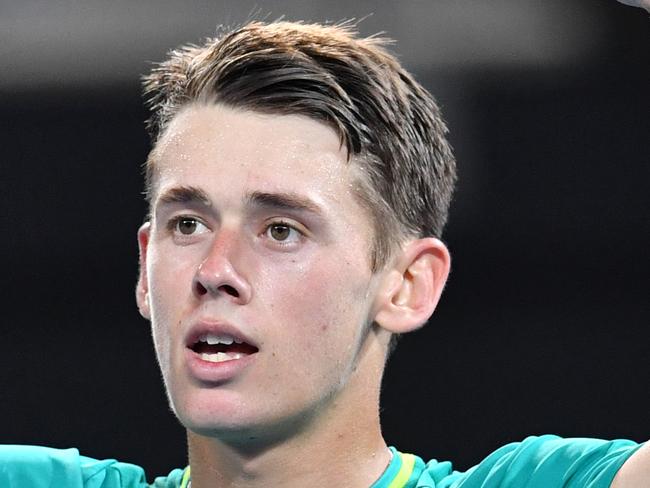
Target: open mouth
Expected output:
[217,348]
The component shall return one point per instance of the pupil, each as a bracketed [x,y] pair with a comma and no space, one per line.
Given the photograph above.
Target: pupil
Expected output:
[187,226]
[280,232]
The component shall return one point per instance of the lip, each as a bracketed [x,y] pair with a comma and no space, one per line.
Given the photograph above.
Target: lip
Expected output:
[209,372]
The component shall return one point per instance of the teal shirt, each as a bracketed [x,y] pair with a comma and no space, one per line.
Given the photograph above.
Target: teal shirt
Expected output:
[537,462]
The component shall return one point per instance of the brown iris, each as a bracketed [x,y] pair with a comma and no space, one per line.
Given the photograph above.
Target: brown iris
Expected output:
[280,232]
[187,226]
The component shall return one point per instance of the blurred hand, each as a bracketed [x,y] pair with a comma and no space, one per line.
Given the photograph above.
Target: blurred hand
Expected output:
[637,3]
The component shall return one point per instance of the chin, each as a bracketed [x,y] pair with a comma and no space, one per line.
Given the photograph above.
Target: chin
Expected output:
[234,431]
[239,425]
[207,412]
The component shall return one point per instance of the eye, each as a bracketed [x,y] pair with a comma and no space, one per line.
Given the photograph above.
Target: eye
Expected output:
[283,232]
[186,226]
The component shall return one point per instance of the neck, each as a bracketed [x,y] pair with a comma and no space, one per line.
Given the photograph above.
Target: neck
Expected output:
[339,445]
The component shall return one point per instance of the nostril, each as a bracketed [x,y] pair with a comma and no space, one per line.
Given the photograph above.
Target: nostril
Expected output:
[200,289]
[229,290]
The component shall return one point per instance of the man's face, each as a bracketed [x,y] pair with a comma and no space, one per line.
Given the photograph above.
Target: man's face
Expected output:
[256,237]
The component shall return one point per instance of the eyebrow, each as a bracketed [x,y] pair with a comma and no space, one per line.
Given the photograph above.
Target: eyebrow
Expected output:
[283,201]
[188,195]
[185,195]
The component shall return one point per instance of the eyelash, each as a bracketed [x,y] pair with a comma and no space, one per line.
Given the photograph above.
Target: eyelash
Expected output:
[288,225]
[173,223]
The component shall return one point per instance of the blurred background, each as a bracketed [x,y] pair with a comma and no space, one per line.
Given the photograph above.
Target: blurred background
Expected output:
[543,327]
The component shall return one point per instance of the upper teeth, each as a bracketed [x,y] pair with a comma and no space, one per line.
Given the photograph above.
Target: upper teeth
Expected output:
[218,339]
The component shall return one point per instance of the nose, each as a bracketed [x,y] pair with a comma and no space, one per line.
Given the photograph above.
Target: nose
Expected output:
[216,276]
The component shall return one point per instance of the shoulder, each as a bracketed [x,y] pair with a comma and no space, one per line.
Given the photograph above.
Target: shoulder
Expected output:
[44,467]
[544,461]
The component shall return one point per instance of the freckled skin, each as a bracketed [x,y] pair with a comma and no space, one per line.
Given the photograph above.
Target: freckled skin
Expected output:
[309,307]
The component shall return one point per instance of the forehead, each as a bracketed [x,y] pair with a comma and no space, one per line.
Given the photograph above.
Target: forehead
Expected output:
[225,149]
[224,135]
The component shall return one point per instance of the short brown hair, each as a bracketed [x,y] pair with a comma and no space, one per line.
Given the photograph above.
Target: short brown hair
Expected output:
[390,125]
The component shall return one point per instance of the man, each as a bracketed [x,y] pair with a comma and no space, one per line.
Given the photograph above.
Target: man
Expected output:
[298,187]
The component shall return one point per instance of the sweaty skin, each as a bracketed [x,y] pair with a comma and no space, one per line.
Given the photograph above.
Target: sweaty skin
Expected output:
[323,261]
[302,293]
[257,235]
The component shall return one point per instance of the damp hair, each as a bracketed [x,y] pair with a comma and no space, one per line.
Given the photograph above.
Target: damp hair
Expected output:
[390,125]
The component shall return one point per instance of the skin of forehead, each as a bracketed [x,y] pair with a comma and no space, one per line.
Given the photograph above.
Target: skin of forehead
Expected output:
[294,146]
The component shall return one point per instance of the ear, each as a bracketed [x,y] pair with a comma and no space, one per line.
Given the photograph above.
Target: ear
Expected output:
[142,287]
[412,286]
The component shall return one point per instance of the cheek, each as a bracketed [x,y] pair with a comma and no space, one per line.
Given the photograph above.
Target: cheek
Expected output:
[170,281]
[322,303]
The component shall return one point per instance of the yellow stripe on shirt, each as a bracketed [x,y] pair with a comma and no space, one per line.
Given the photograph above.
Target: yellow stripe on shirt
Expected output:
[405,471]
[186,478]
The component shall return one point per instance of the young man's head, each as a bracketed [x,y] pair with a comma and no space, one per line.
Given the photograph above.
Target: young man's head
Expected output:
[389,125]
[298,182]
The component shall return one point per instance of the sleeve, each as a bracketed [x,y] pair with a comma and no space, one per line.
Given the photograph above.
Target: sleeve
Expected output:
[547,462]
[43,467]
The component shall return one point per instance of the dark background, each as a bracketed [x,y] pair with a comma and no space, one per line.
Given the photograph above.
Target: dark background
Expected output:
[543,325]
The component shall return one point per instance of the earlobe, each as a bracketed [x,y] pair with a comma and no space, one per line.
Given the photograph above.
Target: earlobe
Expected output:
[413,285]
[142,286]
